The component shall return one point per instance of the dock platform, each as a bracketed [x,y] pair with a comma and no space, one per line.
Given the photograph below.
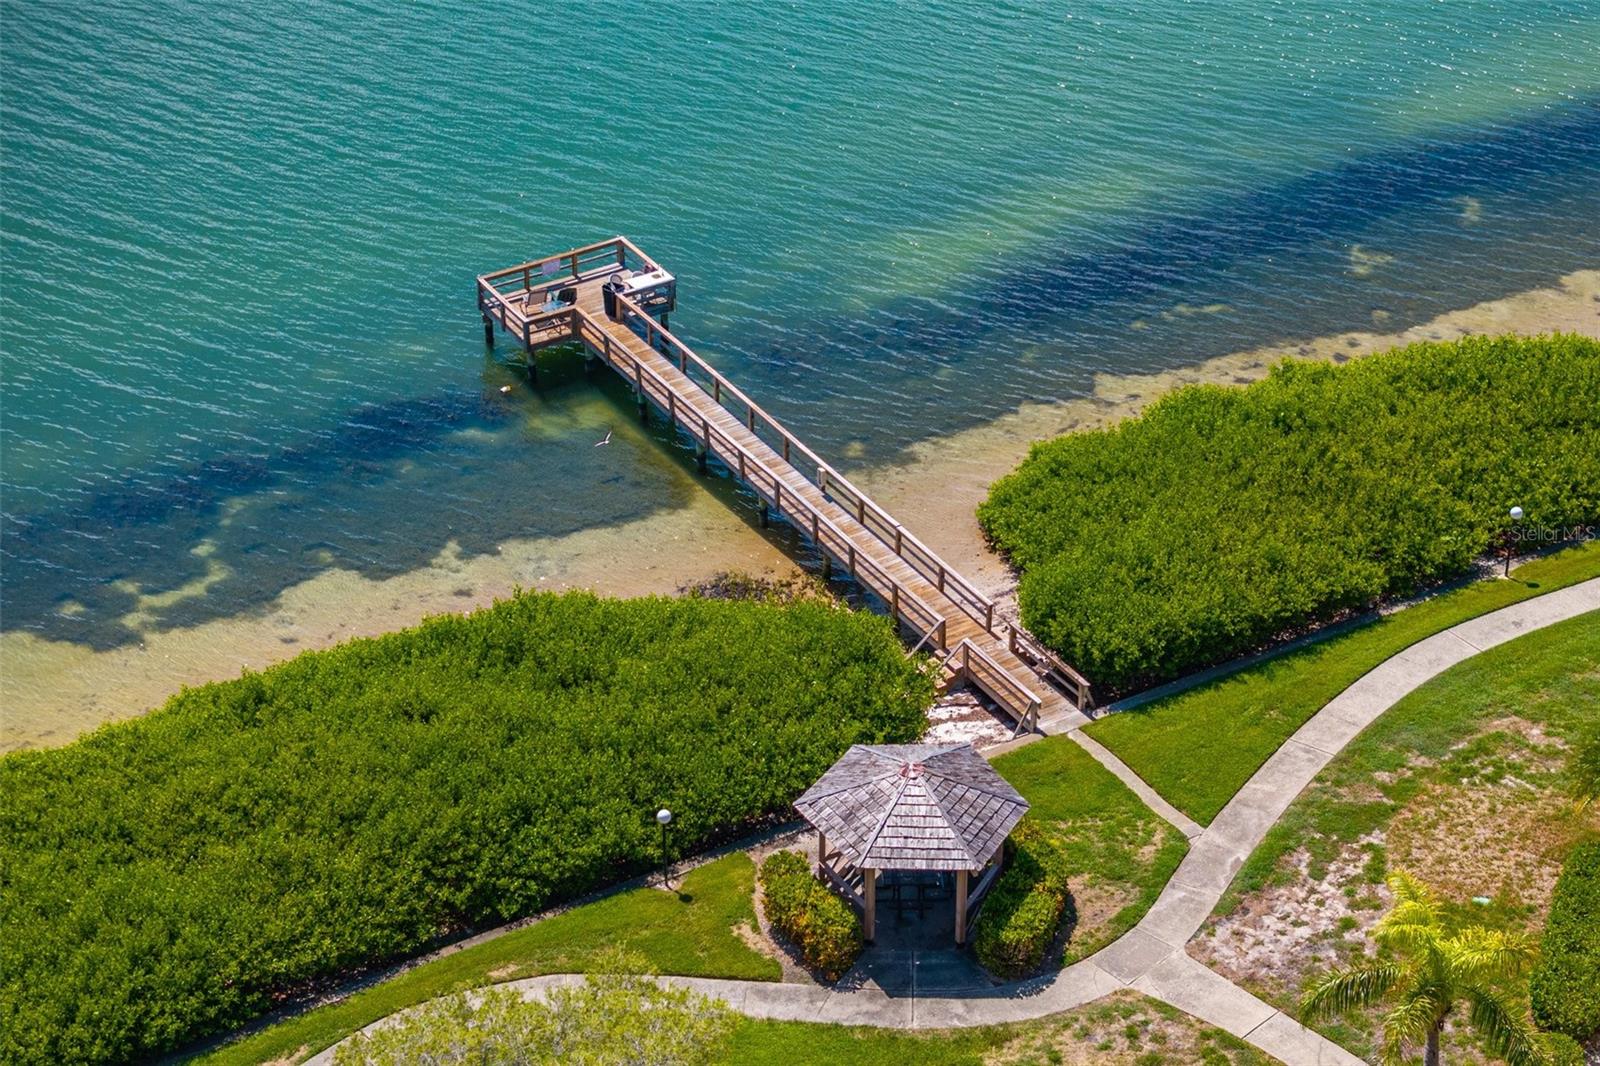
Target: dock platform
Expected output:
[616,301]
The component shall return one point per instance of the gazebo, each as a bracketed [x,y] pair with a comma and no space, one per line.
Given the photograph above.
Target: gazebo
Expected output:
[910,807]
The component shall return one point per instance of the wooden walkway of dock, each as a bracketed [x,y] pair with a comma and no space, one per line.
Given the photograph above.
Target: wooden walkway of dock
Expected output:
[561,299]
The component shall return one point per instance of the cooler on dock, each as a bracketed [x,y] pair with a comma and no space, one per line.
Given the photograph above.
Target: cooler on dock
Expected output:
[655,291]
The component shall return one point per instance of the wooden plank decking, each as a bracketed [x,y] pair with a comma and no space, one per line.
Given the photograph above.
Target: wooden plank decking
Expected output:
[946,612]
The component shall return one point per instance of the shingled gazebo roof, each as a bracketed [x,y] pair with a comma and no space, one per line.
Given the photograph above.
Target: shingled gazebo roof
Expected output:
[913,807]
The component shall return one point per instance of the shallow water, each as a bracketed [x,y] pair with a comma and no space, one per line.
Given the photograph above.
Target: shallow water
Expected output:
[240,349]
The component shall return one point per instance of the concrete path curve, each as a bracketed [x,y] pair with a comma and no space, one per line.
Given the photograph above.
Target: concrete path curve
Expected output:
[1150,958]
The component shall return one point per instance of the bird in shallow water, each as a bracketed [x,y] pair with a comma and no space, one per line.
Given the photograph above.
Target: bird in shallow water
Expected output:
[607,440]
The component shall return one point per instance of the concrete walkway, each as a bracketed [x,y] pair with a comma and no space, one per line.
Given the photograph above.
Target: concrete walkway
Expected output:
[1150,958]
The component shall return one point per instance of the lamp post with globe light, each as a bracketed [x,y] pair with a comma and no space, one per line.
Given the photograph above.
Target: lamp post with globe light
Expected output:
[1516,519]
[664,819]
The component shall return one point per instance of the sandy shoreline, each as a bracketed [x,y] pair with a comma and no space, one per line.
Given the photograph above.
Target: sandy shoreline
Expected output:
[51,692]
[938,488]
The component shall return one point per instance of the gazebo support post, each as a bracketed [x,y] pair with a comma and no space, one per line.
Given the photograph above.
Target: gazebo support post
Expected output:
[822,849]
[961,906]
[869,896]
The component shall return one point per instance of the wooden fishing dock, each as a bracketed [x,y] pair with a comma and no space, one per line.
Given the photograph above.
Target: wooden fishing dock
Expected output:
[616,301]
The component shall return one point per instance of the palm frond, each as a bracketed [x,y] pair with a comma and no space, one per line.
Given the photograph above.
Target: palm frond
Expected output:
[1416,916]
[1358,986]
[1477,954]
[1504,1027]
[1411,1020]
[1407,889]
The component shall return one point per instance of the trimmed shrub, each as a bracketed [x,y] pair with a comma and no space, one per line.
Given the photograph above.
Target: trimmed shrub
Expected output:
[1565,987]
[179,874]
[1021,914]
[823,926]
[1561,1050]
[1225,518]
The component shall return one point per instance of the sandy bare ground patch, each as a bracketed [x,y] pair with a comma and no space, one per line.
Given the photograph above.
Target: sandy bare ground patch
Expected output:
[1125,1029]
[961,717]
[1277,935]
[1096,903]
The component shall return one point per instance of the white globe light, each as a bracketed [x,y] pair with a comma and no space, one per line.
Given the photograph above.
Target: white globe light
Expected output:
[1516,514]
[663,816]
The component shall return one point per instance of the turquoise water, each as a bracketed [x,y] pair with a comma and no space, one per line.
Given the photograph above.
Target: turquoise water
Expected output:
[239,240]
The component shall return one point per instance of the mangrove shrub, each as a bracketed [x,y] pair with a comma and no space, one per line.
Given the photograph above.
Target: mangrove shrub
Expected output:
[1224,518]
[179,874]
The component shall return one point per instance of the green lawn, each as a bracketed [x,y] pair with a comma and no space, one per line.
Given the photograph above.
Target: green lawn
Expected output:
[1125,1029]
[1197,748]
[1121,852]
[765,1043]
[1550,678]
[1486,738]
[690,933]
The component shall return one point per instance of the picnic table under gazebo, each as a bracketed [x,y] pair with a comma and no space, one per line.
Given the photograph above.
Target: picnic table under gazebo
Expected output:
[931,809]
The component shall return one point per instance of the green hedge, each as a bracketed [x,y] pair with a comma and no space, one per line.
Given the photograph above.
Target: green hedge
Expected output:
[1224,518]
[1565,986]
[179,874]
[823,926]
[1021,914]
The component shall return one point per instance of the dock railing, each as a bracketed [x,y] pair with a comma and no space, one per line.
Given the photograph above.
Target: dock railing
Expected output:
[518,295]
[971,661]
[1050,666]
[519,298]
[879,522]
[874,518]
[753,471]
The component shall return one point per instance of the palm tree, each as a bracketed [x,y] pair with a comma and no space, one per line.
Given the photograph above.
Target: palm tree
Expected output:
[1435,970]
